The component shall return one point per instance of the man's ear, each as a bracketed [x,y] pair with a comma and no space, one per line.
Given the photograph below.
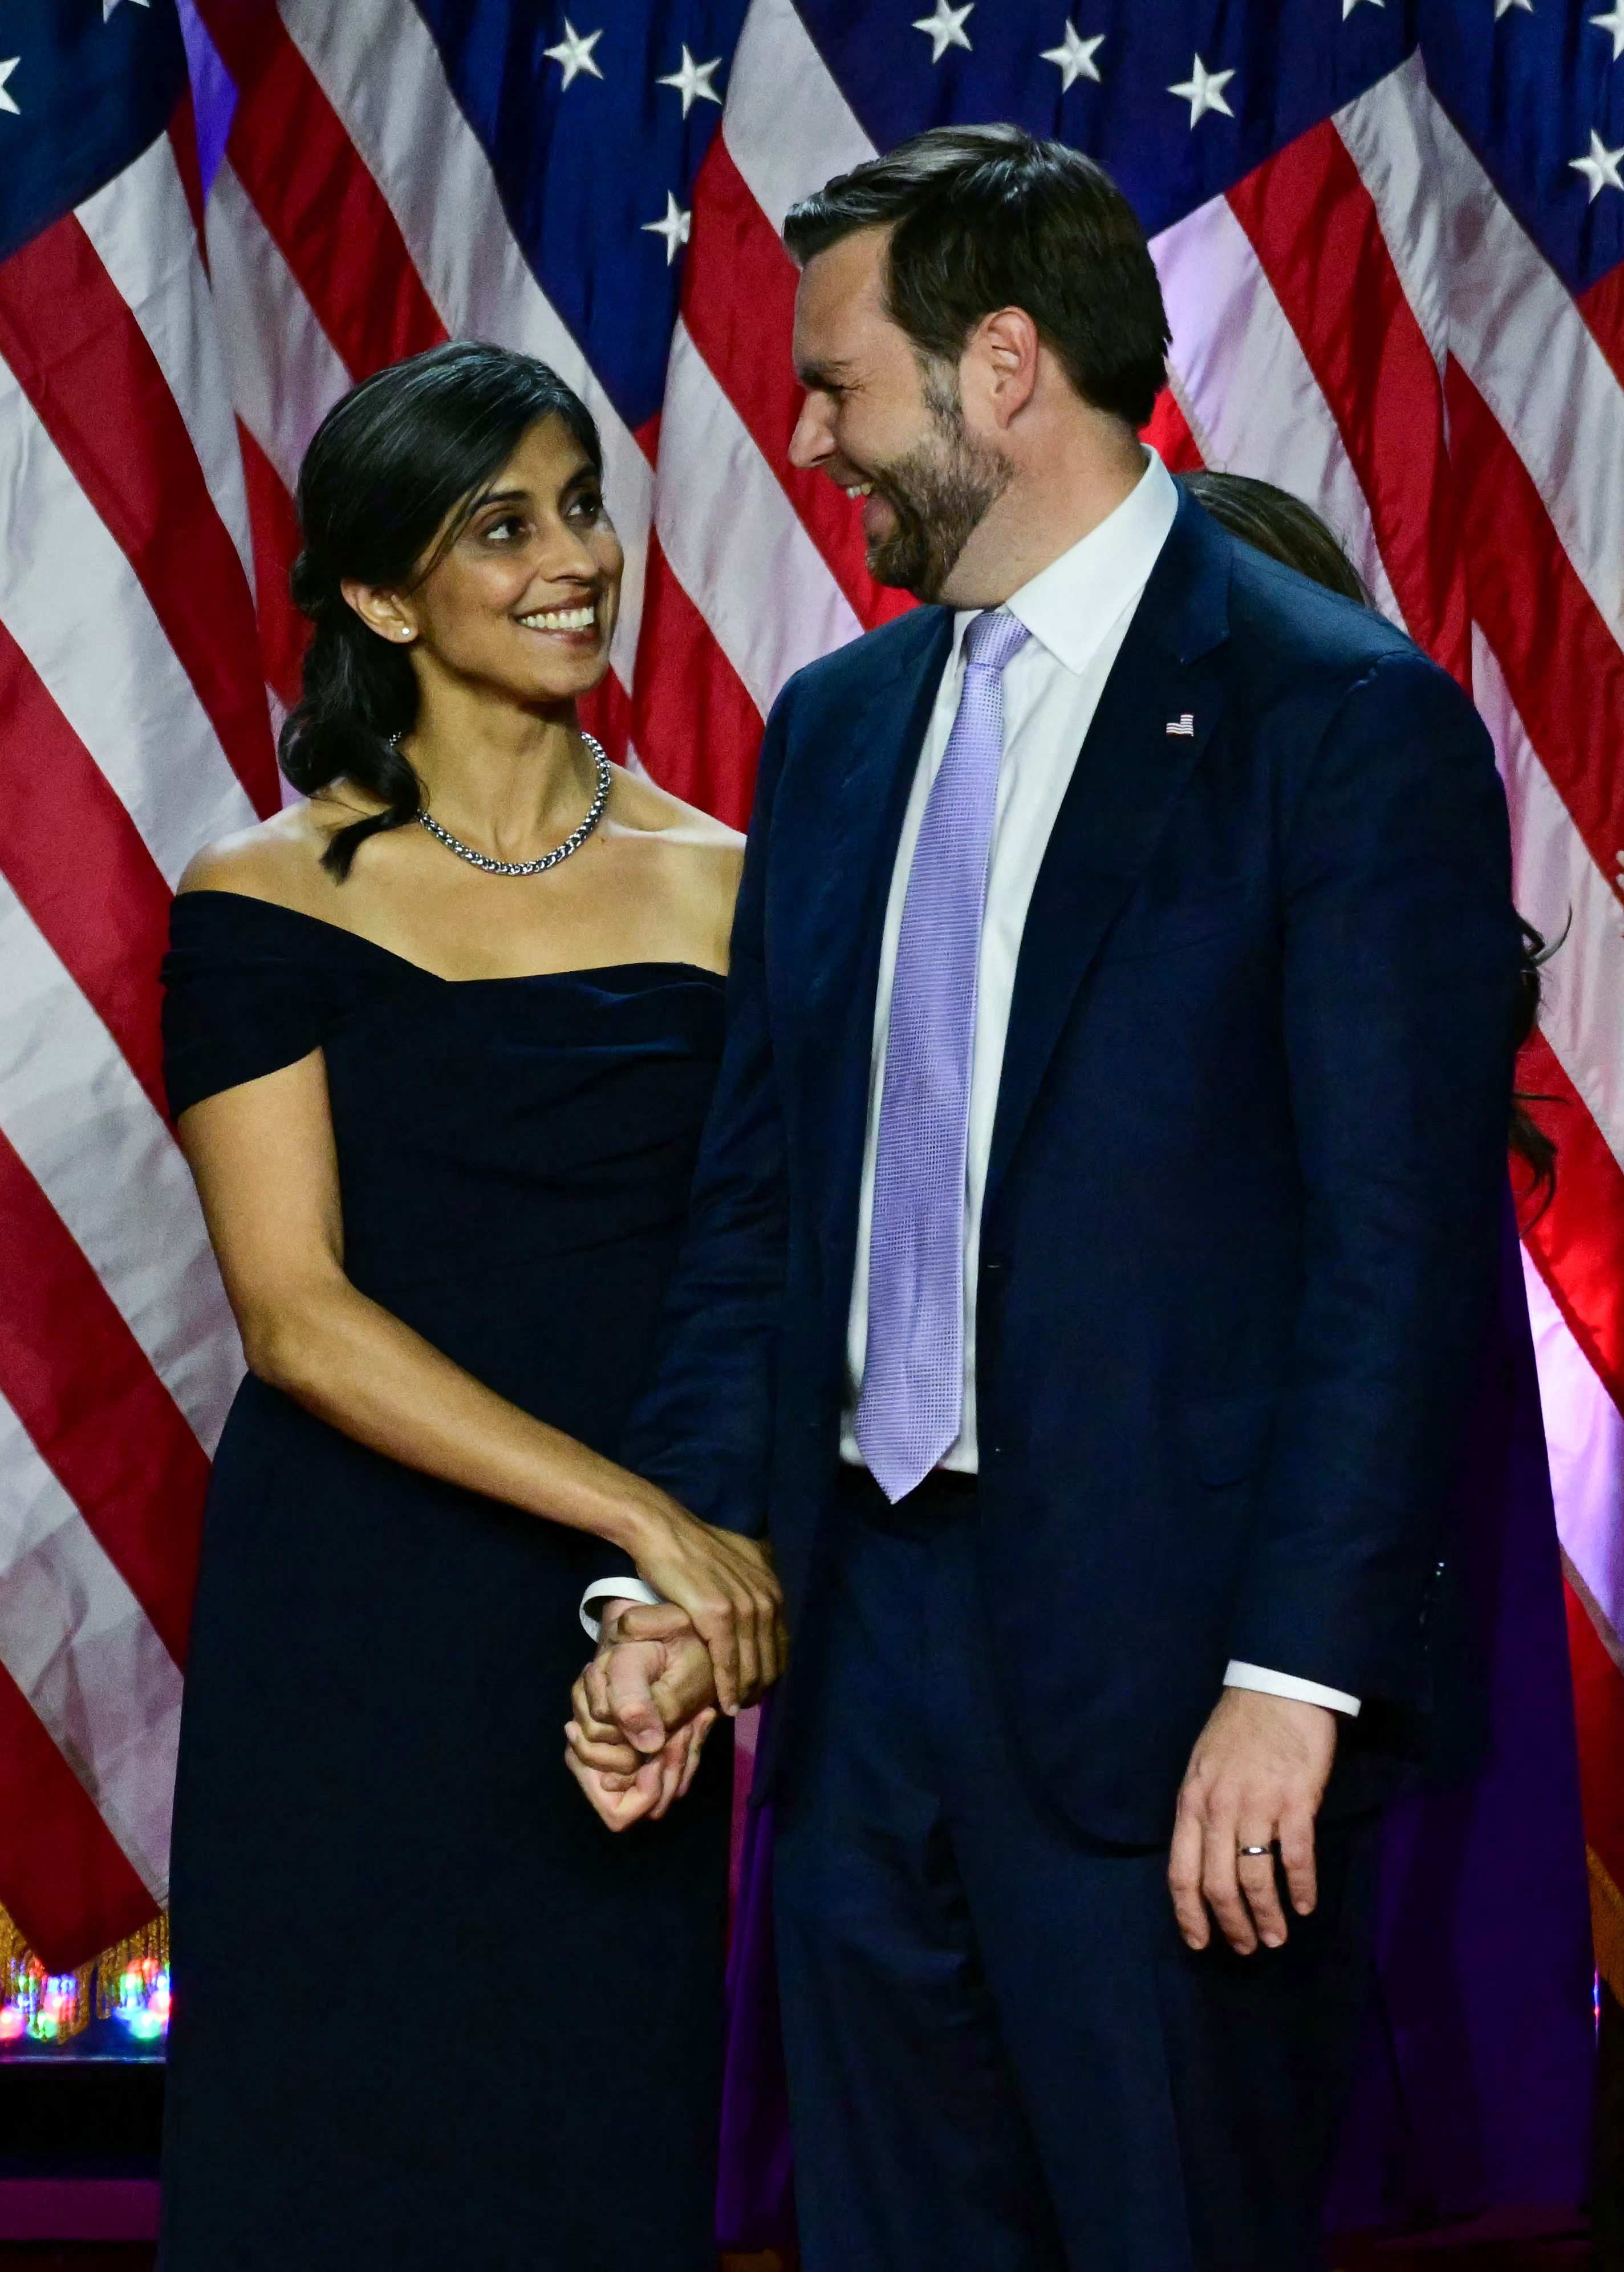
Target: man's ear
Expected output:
[1001,364]
[387,613]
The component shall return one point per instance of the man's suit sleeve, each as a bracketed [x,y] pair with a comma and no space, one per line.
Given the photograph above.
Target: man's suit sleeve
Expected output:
[704,1429]
[1399,957]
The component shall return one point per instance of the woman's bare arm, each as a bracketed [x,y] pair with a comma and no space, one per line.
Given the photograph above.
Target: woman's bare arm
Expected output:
[266,1170]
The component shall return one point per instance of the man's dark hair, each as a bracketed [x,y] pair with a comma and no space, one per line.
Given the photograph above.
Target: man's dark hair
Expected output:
[988,217]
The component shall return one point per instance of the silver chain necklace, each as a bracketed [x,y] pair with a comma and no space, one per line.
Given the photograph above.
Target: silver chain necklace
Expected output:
[573,842]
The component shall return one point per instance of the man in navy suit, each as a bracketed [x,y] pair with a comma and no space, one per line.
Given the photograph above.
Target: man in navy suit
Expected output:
[1090,1244]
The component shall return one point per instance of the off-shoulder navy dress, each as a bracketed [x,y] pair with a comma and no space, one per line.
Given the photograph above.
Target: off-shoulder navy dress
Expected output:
[429,2012]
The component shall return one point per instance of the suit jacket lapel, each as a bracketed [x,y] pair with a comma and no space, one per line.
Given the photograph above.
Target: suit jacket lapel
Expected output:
[1127,779]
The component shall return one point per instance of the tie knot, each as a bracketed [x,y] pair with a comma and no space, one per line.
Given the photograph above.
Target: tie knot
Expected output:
[992,638]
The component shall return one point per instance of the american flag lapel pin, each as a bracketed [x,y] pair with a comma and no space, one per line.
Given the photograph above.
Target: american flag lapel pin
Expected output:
[1182,725]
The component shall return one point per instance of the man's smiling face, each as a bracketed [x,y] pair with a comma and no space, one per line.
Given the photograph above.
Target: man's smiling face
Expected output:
[882,424]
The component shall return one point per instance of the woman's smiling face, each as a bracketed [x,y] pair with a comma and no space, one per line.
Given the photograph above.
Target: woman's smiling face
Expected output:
[524,599]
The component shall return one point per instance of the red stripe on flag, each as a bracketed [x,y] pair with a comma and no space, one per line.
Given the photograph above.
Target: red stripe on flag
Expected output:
[82,360]
[101,1418]
[696,727]
[325,213]
[274,529]
[1578,1242]
[75,861]
[1313,227]
[1170,436]
[1561,663]
[738,303]
[1599,1697]
[62,1876]
[607,712]
[1602,308]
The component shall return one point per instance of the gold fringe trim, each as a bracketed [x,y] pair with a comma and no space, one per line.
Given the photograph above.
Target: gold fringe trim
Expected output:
[27,1982]
[1606,1923]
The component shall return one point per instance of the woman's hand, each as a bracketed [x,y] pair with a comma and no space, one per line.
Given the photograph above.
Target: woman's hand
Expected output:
[725,1583]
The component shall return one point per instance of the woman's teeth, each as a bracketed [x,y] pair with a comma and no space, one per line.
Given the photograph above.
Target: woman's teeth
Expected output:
[561,619]
[860,489]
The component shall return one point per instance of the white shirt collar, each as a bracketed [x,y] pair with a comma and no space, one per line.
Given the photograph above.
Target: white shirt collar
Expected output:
[1070,605]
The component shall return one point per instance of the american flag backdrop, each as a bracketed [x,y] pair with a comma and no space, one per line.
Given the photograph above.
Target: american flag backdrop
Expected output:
[1391,237]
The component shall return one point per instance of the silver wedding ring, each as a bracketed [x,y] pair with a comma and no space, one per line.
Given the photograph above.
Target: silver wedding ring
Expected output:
[1254,1849]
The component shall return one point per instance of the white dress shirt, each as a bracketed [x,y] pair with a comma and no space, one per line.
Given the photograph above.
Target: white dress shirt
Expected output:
[1078,610]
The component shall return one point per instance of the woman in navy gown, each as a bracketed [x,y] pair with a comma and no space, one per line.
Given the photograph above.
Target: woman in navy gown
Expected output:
[439,1042]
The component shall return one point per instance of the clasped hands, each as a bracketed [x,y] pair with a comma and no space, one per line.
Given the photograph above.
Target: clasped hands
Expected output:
[662,1674]
[641,1710]
[645,1704]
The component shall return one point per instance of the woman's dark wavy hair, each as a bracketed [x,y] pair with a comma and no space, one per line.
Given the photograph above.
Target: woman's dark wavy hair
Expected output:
[1274,522]
[400,463]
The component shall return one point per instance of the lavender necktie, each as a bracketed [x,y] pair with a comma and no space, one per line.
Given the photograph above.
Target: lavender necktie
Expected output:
[912,1405]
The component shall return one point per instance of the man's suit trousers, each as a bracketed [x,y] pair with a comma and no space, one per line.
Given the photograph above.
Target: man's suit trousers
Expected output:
[1002,2057]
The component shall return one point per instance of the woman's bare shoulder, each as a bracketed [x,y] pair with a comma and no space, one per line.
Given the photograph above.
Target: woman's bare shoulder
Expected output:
[643,807]
[279,859]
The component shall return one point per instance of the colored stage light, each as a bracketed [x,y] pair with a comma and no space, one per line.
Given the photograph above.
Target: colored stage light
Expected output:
[56,2010]
[143,2005]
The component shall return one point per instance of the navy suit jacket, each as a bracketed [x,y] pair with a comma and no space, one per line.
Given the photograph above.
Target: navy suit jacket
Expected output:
[1240,1223]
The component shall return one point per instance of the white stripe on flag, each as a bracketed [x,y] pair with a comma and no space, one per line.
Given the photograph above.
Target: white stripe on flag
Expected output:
[1247,389]
[734,540]
[79,611]
[379,68]
[81,1649]
[1561,890]
[1584,1439]
[1387,133]
[89,1135]
[788,127]
[285,373]
[142,228]
[1512,326]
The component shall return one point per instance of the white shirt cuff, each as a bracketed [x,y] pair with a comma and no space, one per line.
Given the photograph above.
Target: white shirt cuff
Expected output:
[625,1589]
[1287,1684]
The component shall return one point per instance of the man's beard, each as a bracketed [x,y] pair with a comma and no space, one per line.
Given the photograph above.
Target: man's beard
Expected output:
[940,493]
